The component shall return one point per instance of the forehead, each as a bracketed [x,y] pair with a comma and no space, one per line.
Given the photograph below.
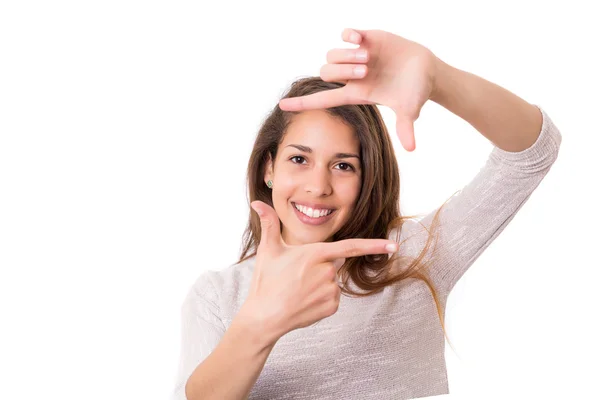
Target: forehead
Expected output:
[319,129]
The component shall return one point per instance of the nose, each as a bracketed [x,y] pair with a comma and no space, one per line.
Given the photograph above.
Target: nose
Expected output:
[318,182]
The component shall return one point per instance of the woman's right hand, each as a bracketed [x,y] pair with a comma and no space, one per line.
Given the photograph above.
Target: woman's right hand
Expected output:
[295,286]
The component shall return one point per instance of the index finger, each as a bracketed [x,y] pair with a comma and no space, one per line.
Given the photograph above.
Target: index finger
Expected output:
[325,99]
[354,248]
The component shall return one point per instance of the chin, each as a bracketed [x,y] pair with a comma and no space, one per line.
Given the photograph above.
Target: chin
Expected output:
[308,237]
[303,235]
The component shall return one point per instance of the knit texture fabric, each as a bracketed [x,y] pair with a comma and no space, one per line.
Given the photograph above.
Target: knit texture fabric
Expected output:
[389,345]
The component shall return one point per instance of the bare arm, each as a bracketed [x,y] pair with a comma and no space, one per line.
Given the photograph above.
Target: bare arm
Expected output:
[508,121]
[233,368]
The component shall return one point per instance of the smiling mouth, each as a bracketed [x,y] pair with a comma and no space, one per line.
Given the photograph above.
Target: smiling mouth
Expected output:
[314,221]
[317,213]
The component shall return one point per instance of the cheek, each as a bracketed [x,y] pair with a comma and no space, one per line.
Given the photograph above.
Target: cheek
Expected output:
[348,191]
[286,183]
[283,190]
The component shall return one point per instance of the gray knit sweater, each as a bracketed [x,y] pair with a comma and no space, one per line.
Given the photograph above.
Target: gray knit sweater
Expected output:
[389,345]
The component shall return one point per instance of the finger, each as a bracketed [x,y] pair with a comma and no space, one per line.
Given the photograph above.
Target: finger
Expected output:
[342,56]
[324,99]
[352,35]
[270,230]
[406,133]
[340,72]
[353,248]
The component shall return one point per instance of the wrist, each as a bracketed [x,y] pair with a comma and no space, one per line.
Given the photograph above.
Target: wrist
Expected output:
[443,80]
[258,329]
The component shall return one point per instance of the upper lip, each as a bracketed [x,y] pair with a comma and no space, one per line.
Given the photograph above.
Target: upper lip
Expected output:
[314,205]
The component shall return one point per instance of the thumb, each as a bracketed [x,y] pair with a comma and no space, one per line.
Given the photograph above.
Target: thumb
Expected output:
[406,132]
[270,230]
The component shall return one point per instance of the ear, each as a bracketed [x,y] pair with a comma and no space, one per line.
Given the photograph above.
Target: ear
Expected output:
[268,170]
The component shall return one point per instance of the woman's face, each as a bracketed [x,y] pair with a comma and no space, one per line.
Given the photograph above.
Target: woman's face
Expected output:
[317,166]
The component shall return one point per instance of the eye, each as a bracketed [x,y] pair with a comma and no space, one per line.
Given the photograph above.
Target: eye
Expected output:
[350,167]
[296,157]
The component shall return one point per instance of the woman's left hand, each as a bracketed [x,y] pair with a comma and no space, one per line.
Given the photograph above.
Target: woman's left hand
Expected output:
[399,73]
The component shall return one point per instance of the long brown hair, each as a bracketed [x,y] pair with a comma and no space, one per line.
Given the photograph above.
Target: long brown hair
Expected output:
[377,210]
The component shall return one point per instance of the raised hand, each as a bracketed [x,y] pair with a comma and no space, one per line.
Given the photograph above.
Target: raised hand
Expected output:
[398,73]
[295,286]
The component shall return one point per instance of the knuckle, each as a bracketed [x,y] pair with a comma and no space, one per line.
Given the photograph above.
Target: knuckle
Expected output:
[349,70]
[331,271]
[352,249]
[266,223]
[333,307]
[334,292]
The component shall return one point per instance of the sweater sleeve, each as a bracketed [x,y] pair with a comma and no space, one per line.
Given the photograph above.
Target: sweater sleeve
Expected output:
[472,218]
[201,331]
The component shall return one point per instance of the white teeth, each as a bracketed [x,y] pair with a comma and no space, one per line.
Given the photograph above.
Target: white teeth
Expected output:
[313,213]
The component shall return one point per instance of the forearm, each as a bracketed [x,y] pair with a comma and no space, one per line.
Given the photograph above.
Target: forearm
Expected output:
[507,120]
[233,368]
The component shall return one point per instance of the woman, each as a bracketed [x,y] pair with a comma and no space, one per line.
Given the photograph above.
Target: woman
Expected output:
[324,183]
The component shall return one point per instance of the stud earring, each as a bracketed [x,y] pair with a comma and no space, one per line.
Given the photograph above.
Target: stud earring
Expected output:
[270,184]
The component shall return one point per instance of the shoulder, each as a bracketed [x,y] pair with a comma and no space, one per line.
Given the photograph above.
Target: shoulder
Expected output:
[413,234]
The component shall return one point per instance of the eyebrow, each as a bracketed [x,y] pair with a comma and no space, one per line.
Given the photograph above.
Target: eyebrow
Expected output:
[307,149]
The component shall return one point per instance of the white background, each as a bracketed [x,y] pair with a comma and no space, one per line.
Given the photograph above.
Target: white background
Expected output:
[125,131]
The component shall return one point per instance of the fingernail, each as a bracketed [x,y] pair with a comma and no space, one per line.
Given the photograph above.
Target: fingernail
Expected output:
[391,247]
[361,55]
[355,37]
[360,70]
